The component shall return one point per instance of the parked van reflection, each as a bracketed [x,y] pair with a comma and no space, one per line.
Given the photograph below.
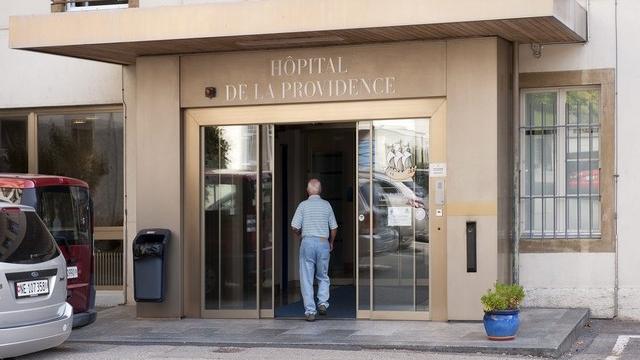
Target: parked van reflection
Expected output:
[389,193]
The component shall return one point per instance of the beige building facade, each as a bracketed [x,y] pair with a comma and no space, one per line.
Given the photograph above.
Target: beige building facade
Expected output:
[460,145]
[43,92]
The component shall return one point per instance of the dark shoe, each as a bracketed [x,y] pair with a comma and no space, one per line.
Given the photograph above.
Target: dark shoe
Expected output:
[322,310]
[310,317]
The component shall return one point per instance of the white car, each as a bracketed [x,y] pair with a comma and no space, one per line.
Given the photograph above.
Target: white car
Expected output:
[34,314]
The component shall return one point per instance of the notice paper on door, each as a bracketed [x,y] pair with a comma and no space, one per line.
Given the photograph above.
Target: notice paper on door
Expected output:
[399,216]
[437,170]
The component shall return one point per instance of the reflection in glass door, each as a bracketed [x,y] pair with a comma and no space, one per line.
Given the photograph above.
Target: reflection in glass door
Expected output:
[236,228]
[393,225]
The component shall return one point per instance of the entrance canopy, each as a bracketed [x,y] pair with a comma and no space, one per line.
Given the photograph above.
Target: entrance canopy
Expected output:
[120,35]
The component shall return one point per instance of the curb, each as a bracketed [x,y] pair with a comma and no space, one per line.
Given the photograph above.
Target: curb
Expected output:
[565,346]
[548,349]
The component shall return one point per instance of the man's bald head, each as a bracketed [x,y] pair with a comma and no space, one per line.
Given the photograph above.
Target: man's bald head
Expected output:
[314,187]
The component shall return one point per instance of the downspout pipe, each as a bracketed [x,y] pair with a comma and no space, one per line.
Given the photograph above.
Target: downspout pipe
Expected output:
[125,248]
[616,174]
[516,161]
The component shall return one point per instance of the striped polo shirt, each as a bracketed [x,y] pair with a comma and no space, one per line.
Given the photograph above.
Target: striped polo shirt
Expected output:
[315,217]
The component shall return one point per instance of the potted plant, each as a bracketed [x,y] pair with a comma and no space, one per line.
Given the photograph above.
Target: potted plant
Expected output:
[502,311]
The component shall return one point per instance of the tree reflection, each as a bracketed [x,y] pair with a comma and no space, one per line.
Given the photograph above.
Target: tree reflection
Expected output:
[216,148]
[13,145]
[63,155]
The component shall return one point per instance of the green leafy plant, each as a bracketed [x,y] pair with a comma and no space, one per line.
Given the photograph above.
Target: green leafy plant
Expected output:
[503,297]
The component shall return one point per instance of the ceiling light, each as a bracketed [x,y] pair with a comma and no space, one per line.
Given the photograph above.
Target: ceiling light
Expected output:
[291,41]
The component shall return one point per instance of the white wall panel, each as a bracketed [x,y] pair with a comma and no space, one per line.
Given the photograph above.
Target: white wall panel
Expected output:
[22,7]
[34,80]
[629,163]
[570,280]
[574,279]
[597,53]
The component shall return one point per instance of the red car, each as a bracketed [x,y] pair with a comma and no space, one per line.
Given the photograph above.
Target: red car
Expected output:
[65,206]
[580,181]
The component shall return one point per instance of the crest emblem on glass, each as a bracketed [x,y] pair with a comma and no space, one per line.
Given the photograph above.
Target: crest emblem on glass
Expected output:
[400,162]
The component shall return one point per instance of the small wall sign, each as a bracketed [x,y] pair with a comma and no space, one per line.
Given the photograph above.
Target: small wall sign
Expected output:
[437,169]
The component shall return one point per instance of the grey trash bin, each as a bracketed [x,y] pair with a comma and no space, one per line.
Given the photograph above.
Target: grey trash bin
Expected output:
[149,265]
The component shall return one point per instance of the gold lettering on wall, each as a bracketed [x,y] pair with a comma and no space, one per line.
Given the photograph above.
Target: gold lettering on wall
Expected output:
[285,83]
[401,70]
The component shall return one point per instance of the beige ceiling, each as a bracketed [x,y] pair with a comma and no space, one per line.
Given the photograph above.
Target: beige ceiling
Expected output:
[119,36]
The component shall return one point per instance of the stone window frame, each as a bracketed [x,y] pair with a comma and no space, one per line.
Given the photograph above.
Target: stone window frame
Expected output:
[605,80]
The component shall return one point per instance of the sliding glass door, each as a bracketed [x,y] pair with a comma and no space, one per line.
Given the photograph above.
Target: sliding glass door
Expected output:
[229,216]
[392,218]
[236,219]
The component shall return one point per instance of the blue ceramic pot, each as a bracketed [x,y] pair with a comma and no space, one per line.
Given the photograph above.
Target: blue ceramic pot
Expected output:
[501,324]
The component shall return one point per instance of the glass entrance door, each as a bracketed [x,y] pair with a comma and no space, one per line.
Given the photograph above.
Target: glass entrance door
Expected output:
[229,214]
[236,220]
[393,224]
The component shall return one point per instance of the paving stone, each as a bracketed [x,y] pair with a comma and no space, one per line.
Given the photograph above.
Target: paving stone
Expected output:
[267,332]
[543,332]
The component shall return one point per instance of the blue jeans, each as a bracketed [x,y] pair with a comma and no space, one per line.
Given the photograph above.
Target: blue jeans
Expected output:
[314,259]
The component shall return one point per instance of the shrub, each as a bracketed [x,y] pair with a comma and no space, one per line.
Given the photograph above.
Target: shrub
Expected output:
[503,297]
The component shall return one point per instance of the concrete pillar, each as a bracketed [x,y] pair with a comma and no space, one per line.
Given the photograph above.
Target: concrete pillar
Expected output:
[474,173]
[130,153]
[158,190]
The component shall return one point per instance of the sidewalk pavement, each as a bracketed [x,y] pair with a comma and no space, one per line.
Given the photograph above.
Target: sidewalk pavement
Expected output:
[543,332]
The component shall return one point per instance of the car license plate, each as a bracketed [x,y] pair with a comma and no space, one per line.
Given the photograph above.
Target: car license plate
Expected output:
[72,272]
[32,288]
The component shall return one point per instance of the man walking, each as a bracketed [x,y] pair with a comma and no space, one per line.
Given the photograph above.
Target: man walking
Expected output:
[315,222]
